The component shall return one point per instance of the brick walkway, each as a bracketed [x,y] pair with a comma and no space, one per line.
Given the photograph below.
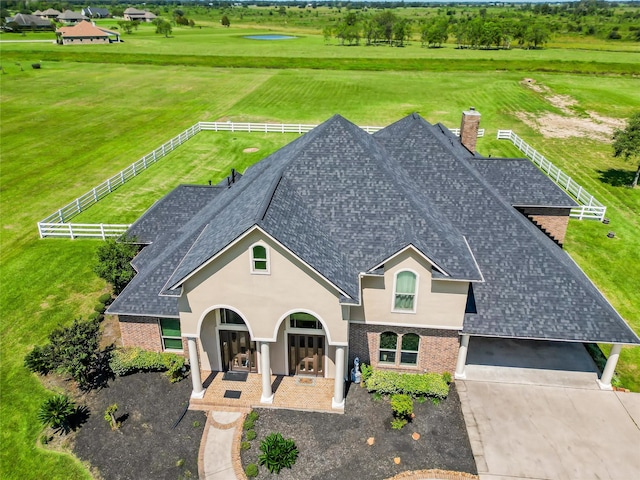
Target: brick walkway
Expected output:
[298,393]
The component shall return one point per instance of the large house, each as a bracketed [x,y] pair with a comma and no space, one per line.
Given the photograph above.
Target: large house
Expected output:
[133,14]
[21,22]
[394,247]
[71,17]
[84,33]
[95,12]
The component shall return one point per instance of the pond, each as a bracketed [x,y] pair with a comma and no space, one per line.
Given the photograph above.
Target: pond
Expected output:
[269,37]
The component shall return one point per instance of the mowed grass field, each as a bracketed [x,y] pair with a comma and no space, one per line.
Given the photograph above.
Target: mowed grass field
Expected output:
[70,125]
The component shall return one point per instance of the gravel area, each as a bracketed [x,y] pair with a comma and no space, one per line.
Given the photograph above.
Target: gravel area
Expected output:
[334,446]
[146,446]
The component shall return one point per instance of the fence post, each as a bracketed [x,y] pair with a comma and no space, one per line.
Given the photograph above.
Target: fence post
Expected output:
[61,215]
[78,204]
[102,231]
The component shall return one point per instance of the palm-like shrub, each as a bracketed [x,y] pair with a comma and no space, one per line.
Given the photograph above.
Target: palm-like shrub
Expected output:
[277,452]
[56,412]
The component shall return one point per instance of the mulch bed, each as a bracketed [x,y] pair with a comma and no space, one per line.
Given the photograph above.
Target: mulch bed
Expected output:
[335,446]
[145,446]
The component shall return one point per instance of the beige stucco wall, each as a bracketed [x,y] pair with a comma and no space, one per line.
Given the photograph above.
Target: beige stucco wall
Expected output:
[439,303]
[262,300]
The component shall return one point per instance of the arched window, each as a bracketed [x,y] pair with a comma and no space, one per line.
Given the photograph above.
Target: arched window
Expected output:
[405,291]
[259,259]
[388,347]
[410,344]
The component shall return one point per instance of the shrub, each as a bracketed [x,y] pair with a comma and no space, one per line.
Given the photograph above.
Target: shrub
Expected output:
[105,298]
[277,452]
[56,412]
[388,383]
[366,371]
[72,350]
[40,360]
[251,470]
[248,424]
[95,316]
[446,376]
[113,262]
[402,405]
[251,435]
[125,361]
[253,415]
[110,416]
[398,423]
[245,445]
[99,307]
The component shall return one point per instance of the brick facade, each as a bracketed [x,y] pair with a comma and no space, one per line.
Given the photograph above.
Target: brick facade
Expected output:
[438,351]
[144,332]
[553,220]
[141,332]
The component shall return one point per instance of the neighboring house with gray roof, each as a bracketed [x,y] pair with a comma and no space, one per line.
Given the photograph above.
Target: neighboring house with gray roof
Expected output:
[133,14]
[21,22]
[394,247]
[69,16]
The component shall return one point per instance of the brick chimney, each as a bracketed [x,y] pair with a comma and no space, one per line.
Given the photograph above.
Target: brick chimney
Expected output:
[469,129]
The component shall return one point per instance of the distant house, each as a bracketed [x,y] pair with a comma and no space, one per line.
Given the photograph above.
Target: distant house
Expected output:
[71,17]
[50,13]
[132,14]
[21,22]
[94,12]
[394,247]
[85,33]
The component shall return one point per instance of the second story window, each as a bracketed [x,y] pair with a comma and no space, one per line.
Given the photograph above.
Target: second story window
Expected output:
[259,259]
[405,291]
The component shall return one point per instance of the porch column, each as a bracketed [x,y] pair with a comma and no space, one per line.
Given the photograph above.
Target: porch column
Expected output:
[198,391]
[607,374]
[338,386]
[462,357]
[265,368]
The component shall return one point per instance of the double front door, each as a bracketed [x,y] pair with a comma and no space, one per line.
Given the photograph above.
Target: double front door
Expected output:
[306,355]
[238,351]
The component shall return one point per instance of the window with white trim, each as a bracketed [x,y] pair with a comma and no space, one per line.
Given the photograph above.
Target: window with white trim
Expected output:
[405,291]
[170,332]
[259,259]
[399,350]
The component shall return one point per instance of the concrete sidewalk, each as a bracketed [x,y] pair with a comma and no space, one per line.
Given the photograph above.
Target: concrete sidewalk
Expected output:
[215,460]
[520,431]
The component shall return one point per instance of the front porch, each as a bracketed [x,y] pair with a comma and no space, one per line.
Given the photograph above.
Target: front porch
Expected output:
[291,392]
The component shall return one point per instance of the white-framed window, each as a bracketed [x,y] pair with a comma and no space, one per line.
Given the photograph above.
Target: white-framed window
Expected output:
[399,350]
[170,332]
[259,259]
[405,291]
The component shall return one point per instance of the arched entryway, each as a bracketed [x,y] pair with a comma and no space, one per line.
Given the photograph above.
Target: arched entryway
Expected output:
[237,350]
[306,345]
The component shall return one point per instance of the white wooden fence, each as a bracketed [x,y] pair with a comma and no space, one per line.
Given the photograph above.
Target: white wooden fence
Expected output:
[56,224]
[589,208]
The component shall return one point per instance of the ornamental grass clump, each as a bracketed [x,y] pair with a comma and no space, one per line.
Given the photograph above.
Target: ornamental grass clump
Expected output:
[277,452]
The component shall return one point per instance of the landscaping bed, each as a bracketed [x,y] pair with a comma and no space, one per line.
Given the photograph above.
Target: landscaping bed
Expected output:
[145,446]
[333,446]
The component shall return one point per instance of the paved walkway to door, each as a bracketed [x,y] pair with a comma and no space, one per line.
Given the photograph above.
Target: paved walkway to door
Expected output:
[298,393]
[520,431]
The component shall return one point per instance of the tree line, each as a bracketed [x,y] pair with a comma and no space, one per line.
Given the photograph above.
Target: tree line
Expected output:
[471,31]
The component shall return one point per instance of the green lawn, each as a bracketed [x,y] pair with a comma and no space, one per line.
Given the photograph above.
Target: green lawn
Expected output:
[58,142]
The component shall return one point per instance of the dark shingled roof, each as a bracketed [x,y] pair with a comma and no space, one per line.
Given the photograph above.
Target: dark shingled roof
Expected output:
[521,183]
[344,201]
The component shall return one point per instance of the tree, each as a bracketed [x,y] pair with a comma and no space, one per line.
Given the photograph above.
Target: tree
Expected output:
[225,21]
[113,262]
[163,27]
[626,143]
[126,26]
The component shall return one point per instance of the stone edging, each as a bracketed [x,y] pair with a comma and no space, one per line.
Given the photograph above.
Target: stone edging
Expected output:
[225,426]
[203,443]
[434,474]
[236,461]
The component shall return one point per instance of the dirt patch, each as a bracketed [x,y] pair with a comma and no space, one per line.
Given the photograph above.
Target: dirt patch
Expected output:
[110,332]
[570,124]
[250,150]
[361,443]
